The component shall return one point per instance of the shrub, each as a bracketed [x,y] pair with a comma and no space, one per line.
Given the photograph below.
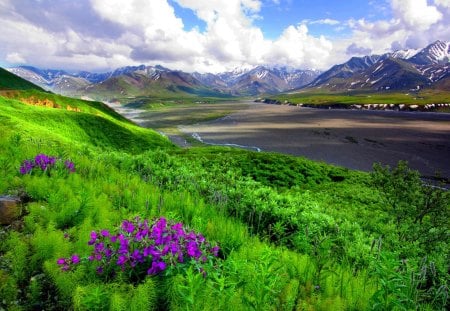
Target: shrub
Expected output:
[139,248]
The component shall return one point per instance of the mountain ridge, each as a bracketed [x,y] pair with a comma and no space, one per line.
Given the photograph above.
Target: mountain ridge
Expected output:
[246,81]
[431,64]
[401,70]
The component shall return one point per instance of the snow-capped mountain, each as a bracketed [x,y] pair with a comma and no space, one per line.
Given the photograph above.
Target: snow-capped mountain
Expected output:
[258,79]
[58,80]
[348,69]
[404,54]
[43,78]
[240,81]
[400,70]
[435,53]
[413,68]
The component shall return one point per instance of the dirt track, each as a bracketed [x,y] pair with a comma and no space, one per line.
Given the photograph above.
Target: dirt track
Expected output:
[350,138]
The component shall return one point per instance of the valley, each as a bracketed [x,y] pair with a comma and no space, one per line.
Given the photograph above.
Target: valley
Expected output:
[99,211]
[353,139]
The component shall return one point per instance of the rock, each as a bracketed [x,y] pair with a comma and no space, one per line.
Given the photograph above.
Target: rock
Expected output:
[10,209]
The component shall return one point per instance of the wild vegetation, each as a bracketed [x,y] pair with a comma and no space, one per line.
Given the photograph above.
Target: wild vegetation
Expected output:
[292,234]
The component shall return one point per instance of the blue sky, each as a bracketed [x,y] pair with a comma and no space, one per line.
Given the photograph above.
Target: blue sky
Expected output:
[213,35]
[275,16]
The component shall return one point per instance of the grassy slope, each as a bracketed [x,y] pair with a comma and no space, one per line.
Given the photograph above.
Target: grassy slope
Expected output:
[13,82]
[294,234]
[96,124]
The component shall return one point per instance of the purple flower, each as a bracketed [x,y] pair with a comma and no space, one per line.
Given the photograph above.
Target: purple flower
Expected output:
[193,250]
[51,160]
[215,251]
[108,252]
[26,167]
[64,263]
[122,260]
[44,162]
[65,268]
[70,166]
[104,233]
[174,249]
[127,226]
[139,247]
[61,261]
[75,259]
[93,238]
[136,256]
[147,251]
[200,238]
[157,266]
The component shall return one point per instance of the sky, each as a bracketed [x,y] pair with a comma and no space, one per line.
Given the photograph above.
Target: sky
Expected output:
[212,35]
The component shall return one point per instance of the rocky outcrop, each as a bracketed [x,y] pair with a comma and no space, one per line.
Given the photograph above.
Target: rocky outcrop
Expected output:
[10,209]
[39,102]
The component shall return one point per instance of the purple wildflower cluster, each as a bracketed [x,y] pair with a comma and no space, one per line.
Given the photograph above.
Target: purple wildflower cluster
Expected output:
[45,163]
[139,246]
[67,262]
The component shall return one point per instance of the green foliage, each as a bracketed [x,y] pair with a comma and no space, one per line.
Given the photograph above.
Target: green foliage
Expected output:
[91,297]
[294,234]
[144,296]
[421,213]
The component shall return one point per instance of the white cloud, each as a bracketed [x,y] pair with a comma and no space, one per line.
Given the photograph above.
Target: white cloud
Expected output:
[416,14]
[326,21]
[353,49]
[444,3]
[298,49]
[15,58]
[101,34]
[414,24]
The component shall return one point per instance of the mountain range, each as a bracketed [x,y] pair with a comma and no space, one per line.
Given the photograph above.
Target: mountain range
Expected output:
[157,80]
[400,70]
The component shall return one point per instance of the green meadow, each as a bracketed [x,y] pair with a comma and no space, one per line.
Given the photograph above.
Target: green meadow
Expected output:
[293,234]
[325,97]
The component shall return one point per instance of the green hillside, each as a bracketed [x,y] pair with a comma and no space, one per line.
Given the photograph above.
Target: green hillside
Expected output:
[138,85]
[292,234]
[11,81]
[75,123]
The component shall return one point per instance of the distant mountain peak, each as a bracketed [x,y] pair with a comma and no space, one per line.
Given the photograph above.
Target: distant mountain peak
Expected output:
[437,52]
[404,54]
[400,70]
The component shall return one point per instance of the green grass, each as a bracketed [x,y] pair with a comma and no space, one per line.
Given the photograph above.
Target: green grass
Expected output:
[294,234]
[9,81]
[365,98]
[96,125]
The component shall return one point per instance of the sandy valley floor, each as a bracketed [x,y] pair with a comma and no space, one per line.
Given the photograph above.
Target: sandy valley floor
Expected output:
[351,138]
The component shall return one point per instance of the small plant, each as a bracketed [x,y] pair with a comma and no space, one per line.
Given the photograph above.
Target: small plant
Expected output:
[143,249]
[45,163]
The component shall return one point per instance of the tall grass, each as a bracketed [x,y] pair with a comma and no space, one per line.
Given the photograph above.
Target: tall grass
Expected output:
[293,234]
